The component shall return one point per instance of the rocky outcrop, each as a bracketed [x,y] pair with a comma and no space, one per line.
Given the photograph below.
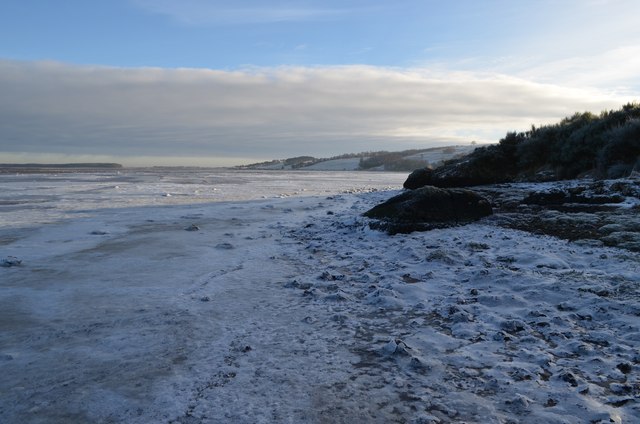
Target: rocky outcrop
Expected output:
[418,178]
[465,172]
[427,208]
[586,212]
[571,196]
[594,213]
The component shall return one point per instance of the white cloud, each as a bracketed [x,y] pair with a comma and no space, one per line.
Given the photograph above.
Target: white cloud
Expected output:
[570,43]
[55,108]
[615,70]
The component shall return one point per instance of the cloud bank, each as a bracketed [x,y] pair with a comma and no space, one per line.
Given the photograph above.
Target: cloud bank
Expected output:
[152,116]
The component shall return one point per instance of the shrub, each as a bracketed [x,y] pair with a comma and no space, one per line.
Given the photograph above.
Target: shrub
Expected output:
[579,143]
[622,147]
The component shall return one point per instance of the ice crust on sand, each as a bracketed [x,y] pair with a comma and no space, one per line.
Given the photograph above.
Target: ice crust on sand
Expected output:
[308,317]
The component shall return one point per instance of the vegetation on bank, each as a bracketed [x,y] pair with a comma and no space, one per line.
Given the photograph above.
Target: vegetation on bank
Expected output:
[606,145]
[392,161]
[405,160]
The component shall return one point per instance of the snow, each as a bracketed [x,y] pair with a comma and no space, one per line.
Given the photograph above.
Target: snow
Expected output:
[283,306]
[434,156]
[439,155]
[348,164]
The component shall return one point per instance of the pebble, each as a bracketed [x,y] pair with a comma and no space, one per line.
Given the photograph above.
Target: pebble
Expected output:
[10,261]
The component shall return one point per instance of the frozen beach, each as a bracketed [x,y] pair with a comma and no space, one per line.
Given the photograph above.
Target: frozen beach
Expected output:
[204,296]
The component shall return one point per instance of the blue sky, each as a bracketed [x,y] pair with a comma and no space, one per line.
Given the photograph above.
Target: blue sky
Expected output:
[217,82]
[232,34]
[224,34]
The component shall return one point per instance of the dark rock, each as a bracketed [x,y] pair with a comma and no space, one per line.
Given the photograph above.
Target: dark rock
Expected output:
[513,326]
[619,403]
[418,178]
[560,197]
[629,240]
[465,172]
[627,188]
[553,197]
[569,378]
[587,212]
[10,261]
[429,207]
[327,276]
[624,368]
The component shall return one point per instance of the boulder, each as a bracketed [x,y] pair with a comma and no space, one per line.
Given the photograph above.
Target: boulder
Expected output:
[459,173]
[418,178]
[427,208]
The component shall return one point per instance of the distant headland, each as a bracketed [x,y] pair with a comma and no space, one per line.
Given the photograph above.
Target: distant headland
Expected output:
[47,167]
[60,165]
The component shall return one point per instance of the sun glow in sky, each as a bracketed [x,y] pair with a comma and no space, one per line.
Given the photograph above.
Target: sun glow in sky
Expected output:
[211,82]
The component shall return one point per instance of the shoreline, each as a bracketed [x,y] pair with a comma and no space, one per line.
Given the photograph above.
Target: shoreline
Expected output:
[291,308]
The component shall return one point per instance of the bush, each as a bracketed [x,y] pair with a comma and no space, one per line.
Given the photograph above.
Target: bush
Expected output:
[580,143]
[622,147]
[405,165]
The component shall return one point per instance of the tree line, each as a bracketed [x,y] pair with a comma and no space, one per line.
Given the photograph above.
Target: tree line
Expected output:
[606,145]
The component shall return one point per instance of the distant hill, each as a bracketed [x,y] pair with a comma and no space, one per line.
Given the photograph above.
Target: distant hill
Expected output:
[43,168]
[60,165]
[403,161]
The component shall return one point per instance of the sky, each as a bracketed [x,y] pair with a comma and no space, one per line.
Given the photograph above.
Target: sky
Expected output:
[217,82]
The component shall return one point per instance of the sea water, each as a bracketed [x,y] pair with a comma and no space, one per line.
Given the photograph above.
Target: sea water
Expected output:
[47,196]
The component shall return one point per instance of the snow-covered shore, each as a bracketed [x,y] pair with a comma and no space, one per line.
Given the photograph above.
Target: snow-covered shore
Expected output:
[290,309]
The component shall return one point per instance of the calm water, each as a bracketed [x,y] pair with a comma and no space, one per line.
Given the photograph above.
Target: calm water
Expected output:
[38,198]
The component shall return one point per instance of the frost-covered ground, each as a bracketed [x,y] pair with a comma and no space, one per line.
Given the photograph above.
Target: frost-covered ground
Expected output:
[288,308]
